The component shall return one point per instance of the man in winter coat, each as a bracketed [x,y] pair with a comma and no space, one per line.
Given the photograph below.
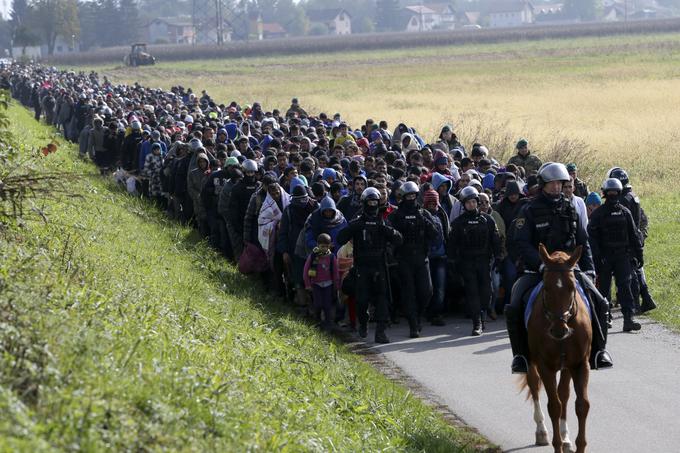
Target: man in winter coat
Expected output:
[525,159]
[238,205]
[350,204]
[292,223]
[195,180]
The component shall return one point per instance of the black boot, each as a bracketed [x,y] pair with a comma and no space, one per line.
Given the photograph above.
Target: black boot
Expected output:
[599,356]
[363,330]
[518,339]
[380,336]
[476,327]
[629,324]
[647,301]
[414,331]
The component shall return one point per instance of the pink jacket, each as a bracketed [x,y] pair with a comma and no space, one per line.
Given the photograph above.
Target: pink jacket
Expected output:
[323,271]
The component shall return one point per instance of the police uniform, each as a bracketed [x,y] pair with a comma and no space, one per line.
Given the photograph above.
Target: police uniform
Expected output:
[416,226]
[371,237]
[554,223]
[473,241]
[615,243]
[639,281]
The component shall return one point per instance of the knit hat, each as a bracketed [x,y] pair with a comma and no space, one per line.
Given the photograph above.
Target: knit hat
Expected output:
[521,143]
[231,161]
[430,196]
[593,198]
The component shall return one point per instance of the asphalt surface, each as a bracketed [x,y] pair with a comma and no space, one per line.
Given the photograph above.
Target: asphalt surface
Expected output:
[635,406]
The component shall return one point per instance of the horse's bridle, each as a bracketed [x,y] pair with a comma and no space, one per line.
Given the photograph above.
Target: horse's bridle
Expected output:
[573,307]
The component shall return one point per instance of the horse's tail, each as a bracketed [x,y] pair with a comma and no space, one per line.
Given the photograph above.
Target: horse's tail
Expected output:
[531,382]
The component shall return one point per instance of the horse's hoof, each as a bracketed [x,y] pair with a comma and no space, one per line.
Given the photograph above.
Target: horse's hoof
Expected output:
[566,447]
[542,439]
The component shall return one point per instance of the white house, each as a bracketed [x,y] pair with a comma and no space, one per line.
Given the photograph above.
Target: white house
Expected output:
[445,15]
[423,18]
[510,13]
[338,21]
[171,30]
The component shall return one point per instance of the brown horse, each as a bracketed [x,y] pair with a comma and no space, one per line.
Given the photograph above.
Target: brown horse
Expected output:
[560,335]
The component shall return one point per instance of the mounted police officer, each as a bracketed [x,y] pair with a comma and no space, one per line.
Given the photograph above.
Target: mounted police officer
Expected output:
[632,202]
[550,219]
[371,237]
[615,242]
[473,242]
[417,226]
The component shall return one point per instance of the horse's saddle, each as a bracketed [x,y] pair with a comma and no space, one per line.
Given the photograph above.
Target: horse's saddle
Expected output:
[533,295]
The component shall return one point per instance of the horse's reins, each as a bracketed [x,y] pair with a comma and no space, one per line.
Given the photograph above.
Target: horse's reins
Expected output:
[569,314]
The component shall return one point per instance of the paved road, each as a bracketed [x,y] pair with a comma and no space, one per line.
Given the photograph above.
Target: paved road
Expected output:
[635,407]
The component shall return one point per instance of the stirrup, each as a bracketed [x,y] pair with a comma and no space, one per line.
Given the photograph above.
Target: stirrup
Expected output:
[606,359]
[520,365]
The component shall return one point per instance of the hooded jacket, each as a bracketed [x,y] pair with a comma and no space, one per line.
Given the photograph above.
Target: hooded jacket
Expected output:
[317,224]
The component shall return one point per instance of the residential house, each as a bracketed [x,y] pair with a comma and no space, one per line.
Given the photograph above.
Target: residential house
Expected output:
[421,18]
[553,14]
[445,15]
[338,21]
[273,30]
[510,13]
[171,30]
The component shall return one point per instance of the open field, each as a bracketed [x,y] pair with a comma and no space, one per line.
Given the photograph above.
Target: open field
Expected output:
[375,41]
[120,331]
[614,98]
[599,101]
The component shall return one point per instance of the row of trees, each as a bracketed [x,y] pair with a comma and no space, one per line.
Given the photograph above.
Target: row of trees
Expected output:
[92,23]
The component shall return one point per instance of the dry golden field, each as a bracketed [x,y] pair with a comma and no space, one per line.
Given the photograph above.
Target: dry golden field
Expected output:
[604,101]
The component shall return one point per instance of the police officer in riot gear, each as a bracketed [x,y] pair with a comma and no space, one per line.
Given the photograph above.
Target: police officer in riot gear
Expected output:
[371,237]
[632,202]
[417,226]
[615,242]
[474,240]
[550,219]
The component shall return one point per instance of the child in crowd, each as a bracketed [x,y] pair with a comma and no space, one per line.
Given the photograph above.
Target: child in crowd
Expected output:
[322,277]
[345,261]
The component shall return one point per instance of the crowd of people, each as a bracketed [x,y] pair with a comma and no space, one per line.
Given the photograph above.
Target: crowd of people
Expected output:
[362,223]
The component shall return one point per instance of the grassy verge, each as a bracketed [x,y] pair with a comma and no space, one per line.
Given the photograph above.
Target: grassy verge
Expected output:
[662,250]
[120,331]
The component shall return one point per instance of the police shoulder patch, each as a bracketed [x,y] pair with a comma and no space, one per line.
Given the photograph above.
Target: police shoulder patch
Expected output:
[519,224]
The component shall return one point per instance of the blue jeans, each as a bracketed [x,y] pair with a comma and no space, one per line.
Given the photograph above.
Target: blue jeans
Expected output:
[438,275]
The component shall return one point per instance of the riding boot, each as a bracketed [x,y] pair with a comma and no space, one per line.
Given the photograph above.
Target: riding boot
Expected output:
[629,324]
[380,335]
[599,356]
[518,339]
[647,301]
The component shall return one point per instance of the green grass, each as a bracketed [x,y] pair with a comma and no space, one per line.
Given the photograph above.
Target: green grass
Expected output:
[662,252]
[120,331]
